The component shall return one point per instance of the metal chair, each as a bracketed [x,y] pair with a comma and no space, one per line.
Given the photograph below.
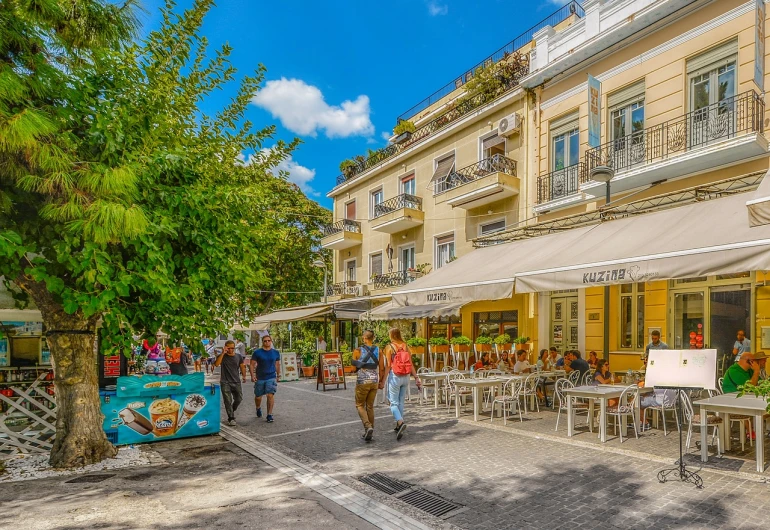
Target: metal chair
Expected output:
[425,385]
[529,390]
[455,389]
[574,377]
[508,397]
[742,420]
[577,407]
[625,407]
[588,378]
[665,406]
[693,420]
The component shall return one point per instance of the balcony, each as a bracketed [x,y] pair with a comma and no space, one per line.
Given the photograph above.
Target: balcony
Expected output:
[341,235]
[489,180]
[398,214]
[561,187]
[391,279]
[346,289]
[721,134]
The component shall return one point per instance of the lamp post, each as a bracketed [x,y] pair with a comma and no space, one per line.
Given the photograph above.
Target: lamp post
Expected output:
[321,264]
[605,174]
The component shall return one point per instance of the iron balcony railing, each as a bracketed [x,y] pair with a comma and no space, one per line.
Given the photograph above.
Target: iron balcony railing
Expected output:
[390,279]
[396,203]
[346,288]
[729,118]
[561,183]
[346,225]
[569,9]
[482,168]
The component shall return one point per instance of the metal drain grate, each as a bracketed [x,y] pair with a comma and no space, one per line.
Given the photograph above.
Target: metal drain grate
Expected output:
[419,498]
[89,478]
[391,486]
[427,502]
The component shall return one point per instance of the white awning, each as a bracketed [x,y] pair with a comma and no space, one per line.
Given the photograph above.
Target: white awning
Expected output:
[293,315]
[699,239]
[759,205]
[390,311]
[20,315]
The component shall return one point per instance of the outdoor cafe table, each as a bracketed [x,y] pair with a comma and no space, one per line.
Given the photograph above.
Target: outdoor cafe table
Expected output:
[726,404]
[439,378]
[603,393]
[476,384]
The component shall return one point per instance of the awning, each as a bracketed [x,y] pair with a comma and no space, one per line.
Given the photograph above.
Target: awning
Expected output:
[253,326]
[293,315]
[390,311]
[20,315]
[759,205]
[699,239]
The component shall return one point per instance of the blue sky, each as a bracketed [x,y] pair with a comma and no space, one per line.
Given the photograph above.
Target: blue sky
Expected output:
[340,72]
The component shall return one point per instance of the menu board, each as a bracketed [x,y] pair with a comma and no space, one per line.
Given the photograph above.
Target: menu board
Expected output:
[330,371]
[289,368]
[682,369]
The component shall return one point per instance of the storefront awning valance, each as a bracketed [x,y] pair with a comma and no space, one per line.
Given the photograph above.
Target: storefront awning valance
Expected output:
[759,204]
[20,315]
[294,314]
[390,311]
[699,239]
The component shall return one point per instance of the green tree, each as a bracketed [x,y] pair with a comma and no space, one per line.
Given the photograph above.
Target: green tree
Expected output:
[124,205]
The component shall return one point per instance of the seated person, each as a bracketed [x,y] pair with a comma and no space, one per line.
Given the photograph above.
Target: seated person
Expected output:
[573,362]
[744,370]
[592,360]
[760,359]
[542,361]
[555,359]
[659,398]
[522,366]
[484,364]
[504,362]
[603,376]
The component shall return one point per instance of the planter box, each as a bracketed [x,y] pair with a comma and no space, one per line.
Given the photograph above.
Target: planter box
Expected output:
[505,347]
[308,371]
[461,348]
[524,346]
[350,369]
[439,349]
[414,274]
[483,348]
[417,350]
[403,137]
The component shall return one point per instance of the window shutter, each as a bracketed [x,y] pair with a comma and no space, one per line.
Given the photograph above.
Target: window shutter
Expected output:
[377,264]
[445,239]
[713,58]
[443,168]
[492,141]
[563,124]
[634,91]
[350,210]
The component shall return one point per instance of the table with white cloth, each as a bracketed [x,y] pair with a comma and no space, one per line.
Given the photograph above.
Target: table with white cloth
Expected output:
[602,393]
[494,383]
[439,378]
[725,405]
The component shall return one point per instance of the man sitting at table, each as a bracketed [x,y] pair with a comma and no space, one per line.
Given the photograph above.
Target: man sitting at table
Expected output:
[760,359]
[556,359]
[745,370]
[575,363]
[522,366]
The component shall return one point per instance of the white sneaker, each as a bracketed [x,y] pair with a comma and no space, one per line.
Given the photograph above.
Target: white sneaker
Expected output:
[232,423]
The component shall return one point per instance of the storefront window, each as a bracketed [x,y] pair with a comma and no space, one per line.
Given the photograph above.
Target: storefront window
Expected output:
[445,328]
[493,323]
[632,316]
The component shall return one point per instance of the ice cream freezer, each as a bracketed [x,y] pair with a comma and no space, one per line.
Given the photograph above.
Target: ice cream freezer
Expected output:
[151,408]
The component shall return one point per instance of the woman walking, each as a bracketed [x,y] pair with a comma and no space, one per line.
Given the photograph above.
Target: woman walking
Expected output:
[399,363]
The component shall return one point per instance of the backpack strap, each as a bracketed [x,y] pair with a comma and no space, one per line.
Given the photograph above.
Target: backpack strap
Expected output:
[369,355]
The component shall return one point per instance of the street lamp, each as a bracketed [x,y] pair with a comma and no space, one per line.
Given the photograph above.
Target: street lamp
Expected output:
[605,174]
[321,264]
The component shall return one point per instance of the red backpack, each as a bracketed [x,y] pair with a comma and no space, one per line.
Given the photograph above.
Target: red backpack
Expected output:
[401,360]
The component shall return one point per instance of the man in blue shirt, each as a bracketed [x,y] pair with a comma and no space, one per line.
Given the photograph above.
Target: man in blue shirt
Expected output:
[264,367]
[741,346]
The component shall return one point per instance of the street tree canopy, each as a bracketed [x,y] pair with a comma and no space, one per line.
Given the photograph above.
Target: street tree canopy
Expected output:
[123,205]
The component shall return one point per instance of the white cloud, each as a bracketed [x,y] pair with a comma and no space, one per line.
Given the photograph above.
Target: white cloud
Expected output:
[436,8]
[302,109]
[386,135]
[299,175]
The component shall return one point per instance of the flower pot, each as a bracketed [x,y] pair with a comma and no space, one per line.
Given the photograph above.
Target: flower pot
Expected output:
[439,349]
[505,347]
[417,350]
[308,371]
[483,348]
[412,275]
[524,346]
[403,137]
[350,369]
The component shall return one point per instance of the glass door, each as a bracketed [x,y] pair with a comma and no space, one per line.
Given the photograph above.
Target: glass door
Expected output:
[730,311]
[689,329]
[564,328]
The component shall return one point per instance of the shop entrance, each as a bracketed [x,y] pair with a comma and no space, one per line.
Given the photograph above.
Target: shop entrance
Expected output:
[564,322]
[710,317]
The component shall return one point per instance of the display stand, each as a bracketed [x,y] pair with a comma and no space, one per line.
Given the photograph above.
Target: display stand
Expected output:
[679,370]
[330,371]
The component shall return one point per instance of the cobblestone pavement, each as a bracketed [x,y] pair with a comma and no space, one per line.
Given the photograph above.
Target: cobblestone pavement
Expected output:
[518,476]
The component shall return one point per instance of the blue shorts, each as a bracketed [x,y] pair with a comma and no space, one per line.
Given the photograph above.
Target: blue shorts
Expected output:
[266,386]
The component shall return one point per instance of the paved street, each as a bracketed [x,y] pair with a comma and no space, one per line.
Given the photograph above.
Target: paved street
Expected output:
[505,477]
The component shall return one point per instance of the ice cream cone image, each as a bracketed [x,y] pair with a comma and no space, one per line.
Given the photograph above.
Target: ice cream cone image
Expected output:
[164,415]
[192,405]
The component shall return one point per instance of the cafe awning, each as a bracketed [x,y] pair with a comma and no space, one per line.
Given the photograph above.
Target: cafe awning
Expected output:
[759,204]
[390,311]
[698,239]
[295,314]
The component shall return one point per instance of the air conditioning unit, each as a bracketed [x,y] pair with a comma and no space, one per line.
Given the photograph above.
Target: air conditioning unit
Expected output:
[360,290]
[509,124]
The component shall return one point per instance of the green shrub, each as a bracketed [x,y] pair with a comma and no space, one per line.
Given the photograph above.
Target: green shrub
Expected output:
[521,340]
[404,126]
[416,342]
[462,340]
[416,360]
[484,340]
[503,339]
[438,341]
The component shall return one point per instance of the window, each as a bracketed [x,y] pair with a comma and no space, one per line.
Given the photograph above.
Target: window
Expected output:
[444,168]
[628,119]
[375,264]
[445,250]
[491,228]
[376,199]
[407,258]
[350,211]
[494,323]
[565,143]
[350,270]
[409,185]
[712,76]
[492,145]
[632,316]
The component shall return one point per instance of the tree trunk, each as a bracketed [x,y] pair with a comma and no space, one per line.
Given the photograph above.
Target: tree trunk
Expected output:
[80,439]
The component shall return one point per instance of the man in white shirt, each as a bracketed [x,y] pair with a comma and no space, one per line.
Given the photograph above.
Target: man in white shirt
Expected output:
[321,343]
[522,366]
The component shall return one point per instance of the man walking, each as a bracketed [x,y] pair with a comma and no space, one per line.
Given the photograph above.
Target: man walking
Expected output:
[264,367]
[240,347]
[229,382]
[367,360]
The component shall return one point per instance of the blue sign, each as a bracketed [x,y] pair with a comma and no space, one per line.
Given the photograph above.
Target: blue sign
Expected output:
[594,112]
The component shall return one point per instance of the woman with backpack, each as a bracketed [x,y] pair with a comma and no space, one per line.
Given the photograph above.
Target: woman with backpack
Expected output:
[399,361]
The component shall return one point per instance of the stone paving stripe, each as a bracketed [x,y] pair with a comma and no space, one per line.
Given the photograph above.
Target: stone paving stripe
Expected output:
[374,512]
[323,427]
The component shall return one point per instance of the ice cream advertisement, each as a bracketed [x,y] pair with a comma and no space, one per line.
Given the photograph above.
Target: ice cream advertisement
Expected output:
[141,418]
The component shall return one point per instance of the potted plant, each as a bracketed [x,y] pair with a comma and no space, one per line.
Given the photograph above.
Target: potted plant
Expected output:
[461,343]
[347,358]
[416,345]
[522,343]
[503,342]
[403,131]
[418,270]
[308,357]
[483,344]
[416,361]
[348,168]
